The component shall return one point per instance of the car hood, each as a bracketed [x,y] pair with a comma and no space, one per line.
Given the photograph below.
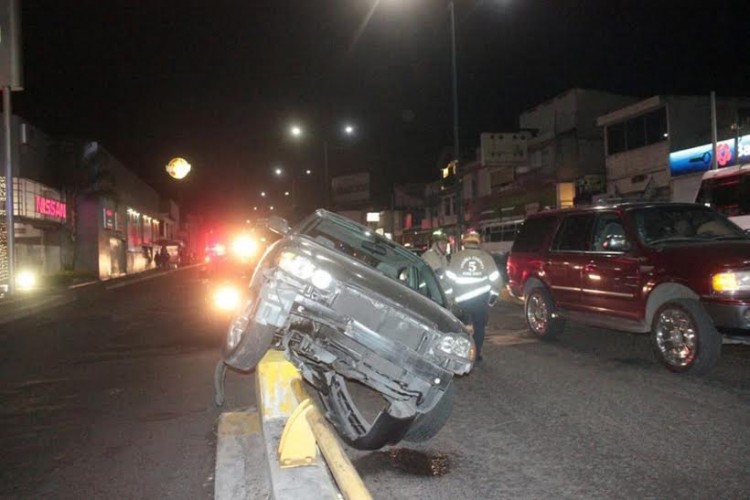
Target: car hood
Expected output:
[353,273]
[712,255]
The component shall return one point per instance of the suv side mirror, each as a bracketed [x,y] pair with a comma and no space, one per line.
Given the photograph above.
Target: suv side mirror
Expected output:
[278,225]
[616,244]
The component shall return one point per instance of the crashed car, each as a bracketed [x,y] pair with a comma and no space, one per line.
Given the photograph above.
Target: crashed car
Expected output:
[349,306]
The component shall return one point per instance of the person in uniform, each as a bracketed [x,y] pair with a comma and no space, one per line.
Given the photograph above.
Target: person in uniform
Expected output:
[436,256]
[476,283]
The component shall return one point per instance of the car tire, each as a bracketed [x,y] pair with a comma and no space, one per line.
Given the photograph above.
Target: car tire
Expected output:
[684,338]
[539,310]
[427,425]
[245,353]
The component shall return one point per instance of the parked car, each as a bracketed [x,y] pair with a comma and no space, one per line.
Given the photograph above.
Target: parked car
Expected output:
[680,272]
[347,305]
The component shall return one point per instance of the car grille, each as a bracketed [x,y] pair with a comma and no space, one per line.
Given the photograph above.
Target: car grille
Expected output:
[380,317]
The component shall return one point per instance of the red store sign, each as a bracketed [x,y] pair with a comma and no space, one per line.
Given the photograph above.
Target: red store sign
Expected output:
[50,207]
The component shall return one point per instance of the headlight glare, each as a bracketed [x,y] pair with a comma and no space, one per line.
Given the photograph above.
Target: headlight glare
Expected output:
[227,298]
[731,282]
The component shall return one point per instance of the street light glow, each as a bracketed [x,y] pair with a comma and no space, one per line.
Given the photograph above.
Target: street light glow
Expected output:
[295,130]
[178,168]
[308,171]
[278,171]
[286,193]
[349,129]
[263,194]
[271,207]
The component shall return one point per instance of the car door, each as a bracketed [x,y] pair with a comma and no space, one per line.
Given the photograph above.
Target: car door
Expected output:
[610,276]
[567,257]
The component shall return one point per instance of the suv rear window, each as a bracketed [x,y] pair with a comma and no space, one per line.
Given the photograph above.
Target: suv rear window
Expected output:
[574,234]
[533,233]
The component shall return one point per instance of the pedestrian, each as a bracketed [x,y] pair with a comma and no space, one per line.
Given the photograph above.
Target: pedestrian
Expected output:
[476,284]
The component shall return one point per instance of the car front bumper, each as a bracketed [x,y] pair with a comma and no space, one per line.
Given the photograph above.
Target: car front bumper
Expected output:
[735,316]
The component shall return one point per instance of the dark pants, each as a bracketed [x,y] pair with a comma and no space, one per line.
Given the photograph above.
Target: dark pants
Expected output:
[476,309]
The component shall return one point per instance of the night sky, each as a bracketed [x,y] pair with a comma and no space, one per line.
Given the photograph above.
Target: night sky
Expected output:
[218,81]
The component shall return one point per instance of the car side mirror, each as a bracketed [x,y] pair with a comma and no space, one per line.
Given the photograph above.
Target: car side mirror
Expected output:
[616,244]
[278,225]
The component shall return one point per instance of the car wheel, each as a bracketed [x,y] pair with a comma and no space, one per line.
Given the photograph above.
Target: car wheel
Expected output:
[684,338]
[352,427]
[247,341]
[427,425]
[539,313]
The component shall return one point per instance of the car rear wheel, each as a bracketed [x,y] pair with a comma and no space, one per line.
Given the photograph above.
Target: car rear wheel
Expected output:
[684,338]
[539,311]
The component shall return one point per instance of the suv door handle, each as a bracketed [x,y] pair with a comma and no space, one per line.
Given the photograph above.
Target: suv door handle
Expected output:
[589,267]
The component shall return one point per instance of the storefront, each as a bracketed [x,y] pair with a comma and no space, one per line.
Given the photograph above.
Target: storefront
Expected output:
[41,214]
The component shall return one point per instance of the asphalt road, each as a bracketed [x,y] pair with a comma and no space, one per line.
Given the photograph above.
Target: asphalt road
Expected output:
[111,396]
[589,416]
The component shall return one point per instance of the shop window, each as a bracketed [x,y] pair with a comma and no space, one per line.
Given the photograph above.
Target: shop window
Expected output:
[616,138]
[656,126]
[635,133]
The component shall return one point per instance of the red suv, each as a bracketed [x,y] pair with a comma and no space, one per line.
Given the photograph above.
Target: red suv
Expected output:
[678,271]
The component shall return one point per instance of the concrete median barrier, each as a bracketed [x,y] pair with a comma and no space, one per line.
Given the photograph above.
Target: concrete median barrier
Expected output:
[302,456]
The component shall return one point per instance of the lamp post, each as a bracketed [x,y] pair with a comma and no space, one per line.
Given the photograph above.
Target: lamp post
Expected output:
[178,168]
[456,148]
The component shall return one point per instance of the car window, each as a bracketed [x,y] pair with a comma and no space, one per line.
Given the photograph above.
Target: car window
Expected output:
[607,224]
[669,224]
[574,234]
[374,251]
[532,234]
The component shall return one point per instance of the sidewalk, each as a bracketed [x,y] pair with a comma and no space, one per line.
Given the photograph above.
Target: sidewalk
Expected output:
[23,304]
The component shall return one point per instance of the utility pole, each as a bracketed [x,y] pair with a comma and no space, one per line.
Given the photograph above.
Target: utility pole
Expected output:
[456,147]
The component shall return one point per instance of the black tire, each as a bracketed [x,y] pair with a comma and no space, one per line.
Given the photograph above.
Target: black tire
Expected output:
[427,425]
[539,314]
[685,324]
[254,341]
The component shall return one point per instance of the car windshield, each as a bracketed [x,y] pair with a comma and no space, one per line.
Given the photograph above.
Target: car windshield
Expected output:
[666,224]
[373,250]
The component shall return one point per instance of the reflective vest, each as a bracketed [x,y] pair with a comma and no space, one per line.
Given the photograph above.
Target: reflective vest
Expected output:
[436,260]
[472,272]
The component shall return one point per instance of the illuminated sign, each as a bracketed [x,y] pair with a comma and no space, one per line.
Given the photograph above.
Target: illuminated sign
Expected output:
[110,219]
[50,207]
[698,159]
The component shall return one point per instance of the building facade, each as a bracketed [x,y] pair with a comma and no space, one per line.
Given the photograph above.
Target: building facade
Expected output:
[658,148]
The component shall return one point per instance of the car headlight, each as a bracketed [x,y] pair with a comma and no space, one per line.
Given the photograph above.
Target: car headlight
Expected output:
[244,247]
[730,282]
[26,280]
[303,268]
[456,346]
[227,298]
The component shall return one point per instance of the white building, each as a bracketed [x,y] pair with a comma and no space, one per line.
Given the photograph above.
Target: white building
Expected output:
[641,137]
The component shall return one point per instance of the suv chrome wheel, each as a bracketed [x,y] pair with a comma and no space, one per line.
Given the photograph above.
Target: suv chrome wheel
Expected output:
[539,312]
[676,337]
[684,337]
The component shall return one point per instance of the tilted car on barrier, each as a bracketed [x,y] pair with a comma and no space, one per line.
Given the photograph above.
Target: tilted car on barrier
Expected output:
[348,305]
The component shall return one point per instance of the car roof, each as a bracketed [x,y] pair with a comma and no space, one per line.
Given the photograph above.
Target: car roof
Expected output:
[610,205]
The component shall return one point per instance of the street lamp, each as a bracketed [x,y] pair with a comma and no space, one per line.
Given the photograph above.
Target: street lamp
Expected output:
[348,130]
